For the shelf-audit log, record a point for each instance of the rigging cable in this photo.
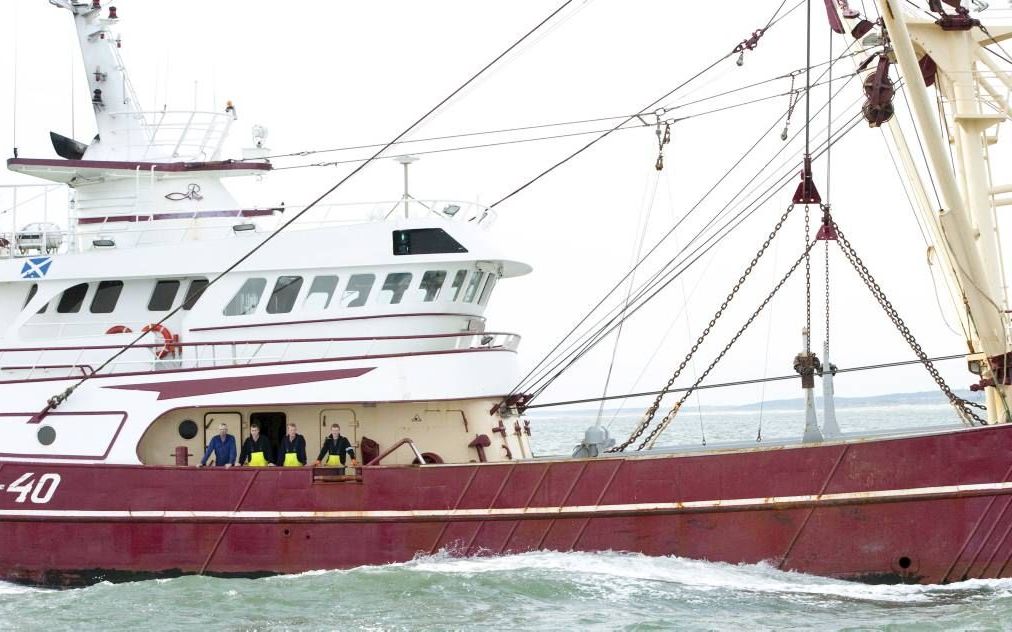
(778, 378)
(570, 351)
(56, 400)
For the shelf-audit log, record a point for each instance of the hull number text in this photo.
(37, 490)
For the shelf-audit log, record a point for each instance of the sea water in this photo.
(548, 590)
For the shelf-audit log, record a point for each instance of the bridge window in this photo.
(432, 284)
(32, 291)
(487, 290)
(357, 292)
(458, 283)
(106, 296)
(197, 287)
(163, 296)
(425, 241)
(320, 293)
(72, 299)
(247, 298)
(282, 298)
(396, 284)
(472, 287)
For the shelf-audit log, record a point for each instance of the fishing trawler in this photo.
(166, 308)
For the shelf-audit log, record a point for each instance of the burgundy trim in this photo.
(190, 388)
(34, 420)
(217, 165)
(259, 212)
(213, 343)
(334, 320)
(263, 364)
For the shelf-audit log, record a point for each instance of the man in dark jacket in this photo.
(256, 449)
(337, 449)
(292, 452)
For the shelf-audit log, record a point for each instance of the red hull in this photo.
(928, 509)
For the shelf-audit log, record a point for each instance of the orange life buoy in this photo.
(170, 341)
(118, 329)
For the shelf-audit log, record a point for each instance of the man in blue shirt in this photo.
(223, 447)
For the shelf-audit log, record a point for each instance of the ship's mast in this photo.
(967, 219)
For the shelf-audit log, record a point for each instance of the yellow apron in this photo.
(292, 460)
(256, 459)
(334, 460)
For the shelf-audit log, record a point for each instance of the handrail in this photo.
(391, 449)
(214, 343)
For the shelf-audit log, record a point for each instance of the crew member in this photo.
(256, 449)
(293, 448)
(337, 449)
(222, 445)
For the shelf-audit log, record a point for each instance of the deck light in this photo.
(451, 210)
(103, 243)
(242, 228)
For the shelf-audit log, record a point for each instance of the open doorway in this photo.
(272, 426)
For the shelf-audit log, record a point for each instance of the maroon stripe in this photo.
(217, 165)
(334, 320)
(190, 388)
(183, 215)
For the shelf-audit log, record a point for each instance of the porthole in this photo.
(46, 435)
(187, 429)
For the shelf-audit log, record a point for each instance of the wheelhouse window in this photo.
(195, 291)
(72, 299)
(32, 291)
(425, 241)
(487, 290)
(163, 296)
(396, 284)
(357, 292)
(282, 298)
(106, 297)
(472, 286)
(321, 291)
(432, 285)
(458, 284)
(247, 298)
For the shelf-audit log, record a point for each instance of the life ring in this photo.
(119, 329)
(170, 340)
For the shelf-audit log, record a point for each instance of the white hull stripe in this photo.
(735, 504)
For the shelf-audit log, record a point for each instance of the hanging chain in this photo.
(648, 416)
(662, 426)
(808, 283)
(961, 405)
(792, 101)
(826, 266)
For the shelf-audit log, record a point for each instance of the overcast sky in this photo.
(324, 74)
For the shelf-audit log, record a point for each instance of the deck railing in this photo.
(28, 363)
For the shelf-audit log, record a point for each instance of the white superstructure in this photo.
(377, 325)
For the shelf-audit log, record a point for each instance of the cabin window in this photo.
(472, 287)
(321, 291)
(458, 283)
(282, 298)
(72, 299)
(106, 296)
(396, 284)
(32, 291)
(487, 290)
(163, 296)
(247, 298)
(432, 284)
(425, 241)
(357, 292)
(197, 287)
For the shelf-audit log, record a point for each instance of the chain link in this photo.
(961, 405)
(661, 427)
(648, 416)
(827, 291)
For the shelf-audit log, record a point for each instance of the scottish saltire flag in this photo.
(36, 267)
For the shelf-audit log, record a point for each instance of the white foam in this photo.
(16, 589)
(697, 575)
